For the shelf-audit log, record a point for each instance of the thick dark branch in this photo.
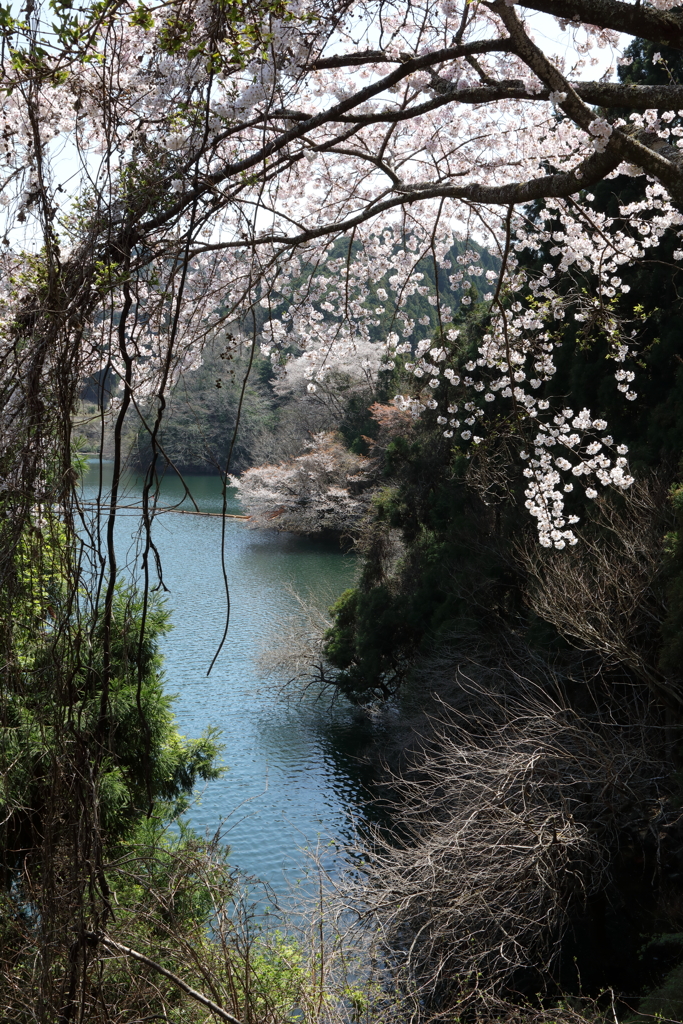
(559, 185)
(631, 97)
(387, 115)
(601, 94)
(350, 60)
(604, 94)
(665, 27)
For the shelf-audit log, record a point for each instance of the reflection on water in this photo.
(292, 777)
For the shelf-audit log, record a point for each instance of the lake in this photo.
(294, 778)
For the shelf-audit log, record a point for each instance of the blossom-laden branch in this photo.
(224, 158)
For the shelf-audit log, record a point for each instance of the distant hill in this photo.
(201, 412)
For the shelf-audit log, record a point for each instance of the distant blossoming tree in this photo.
(320, 491)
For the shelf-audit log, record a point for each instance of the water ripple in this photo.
(291, 778)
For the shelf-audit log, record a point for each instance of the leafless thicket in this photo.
(509, 816)
(293, 654)
(608, 595)
(157, 959)
(526, 777)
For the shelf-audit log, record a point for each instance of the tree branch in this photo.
(633, 97)
(601, 94)
(407, 67)
(665, 27)
(191, 992)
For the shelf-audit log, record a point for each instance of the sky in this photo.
(554, 40)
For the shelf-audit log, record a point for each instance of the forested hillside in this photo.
(277, 415)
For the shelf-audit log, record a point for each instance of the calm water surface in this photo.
(293, 777)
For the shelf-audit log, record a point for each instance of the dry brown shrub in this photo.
(506, 819)
(607, 595)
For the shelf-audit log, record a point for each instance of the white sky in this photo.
(550, 37)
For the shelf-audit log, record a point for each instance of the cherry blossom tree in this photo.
(207, 155)
(320, 491)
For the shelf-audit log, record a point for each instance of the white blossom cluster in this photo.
(567, 436)
(601, 130)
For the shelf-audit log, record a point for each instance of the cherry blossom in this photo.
(174, 176)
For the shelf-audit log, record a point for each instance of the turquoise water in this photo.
(293, 776)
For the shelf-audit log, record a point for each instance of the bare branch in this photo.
(187, 989)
